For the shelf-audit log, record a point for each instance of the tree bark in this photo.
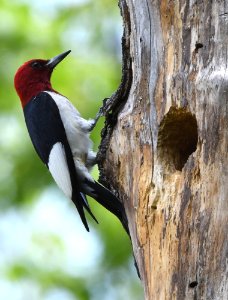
(164, 147)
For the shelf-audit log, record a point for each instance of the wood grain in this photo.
(167, 156)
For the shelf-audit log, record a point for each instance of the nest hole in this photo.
(177, 138)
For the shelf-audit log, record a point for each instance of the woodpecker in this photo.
(61, 139)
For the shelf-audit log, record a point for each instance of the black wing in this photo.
(44, 125)
(45, 128)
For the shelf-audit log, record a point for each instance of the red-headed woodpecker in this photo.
(61, 137)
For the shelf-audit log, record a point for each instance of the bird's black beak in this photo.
(56, 60)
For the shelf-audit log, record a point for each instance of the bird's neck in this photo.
(32, 90)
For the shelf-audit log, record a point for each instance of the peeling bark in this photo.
(165, 145)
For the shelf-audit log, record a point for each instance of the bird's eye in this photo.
(36, 65)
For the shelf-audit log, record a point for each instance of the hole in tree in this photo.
(177, 138)
(193, 284)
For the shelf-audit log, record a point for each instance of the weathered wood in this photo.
(167, 155)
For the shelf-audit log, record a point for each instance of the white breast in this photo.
(77, 131)
(75, 126)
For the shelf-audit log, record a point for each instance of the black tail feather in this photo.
(86, 206)
(108, 200)
(78, 201)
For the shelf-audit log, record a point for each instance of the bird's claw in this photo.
(101, 113)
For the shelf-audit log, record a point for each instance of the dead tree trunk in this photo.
(165, 145)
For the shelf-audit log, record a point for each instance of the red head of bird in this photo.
(34, 77)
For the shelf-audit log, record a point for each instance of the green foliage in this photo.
(42, 29)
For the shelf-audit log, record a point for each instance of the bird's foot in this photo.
(94, 121)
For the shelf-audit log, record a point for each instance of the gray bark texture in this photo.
(164, 147)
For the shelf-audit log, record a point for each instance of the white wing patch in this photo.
(59, 169)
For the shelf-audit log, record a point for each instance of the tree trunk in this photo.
(165, 144)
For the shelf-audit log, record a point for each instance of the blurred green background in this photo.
(45, 252)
